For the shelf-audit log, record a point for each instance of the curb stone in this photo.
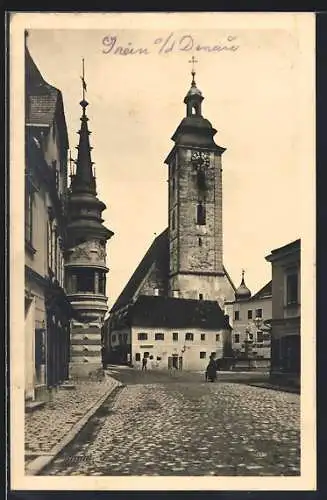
(39, 463)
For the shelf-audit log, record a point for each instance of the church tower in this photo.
(196, 269)
(85, 263)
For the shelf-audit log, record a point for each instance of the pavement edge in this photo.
(39, 463)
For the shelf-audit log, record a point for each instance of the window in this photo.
(201, 214)
(200, 242)
(102, 283)
(203, 355)
(159, 336)
(217, 337)
(250, 336)
(236, 315)
(201, 179)
(237, 338)
(137, 356)
(158, 358)
(203, 336)
(189, 336)
(259, 337)
(28, 213)
(113, 338)
(249, 314)
(258, 313)
(85, 278)
(142, 336)
(173, 184)
(173, 222)
(200, 296)
(175, 336)
(292, 289)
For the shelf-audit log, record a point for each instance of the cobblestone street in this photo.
(44, 428)
(161, 425)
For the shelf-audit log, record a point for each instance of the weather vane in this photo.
(83, 80)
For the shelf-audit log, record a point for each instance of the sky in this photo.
(255, 96)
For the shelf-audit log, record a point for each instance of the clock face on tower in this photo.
(200, 158)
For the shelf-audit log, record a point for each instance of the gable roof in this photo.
(169, 312)
(281, 252)
(44, 103)
(264, 292)
(159, 253)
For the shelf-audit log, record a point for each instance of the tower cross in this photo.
(193, 61)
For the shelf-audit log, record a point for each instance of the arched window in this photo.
(201, 214)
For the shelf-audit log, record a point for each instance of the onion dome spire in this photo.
(84, 178)
(242, 293)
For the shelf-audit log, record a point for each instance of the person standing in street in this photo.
(144, 363)
(211, 372)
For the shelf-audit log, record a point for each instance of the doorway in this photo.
(175, 362)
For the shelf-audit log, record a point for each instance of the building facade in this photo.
(250, 319)
(47, 309)
(85, 258)
(185, 261)
(286, 312)
(183, 340)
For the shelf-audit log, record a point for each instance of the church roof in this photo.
(159, 253)
(158, 311)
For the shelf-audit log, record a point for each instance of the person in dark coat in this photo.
(144, 363)
(211, 372)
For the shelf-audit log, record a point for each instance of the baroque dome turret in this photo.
(242, 293)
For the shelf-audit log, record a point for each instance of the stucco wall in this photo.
(167, 347)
